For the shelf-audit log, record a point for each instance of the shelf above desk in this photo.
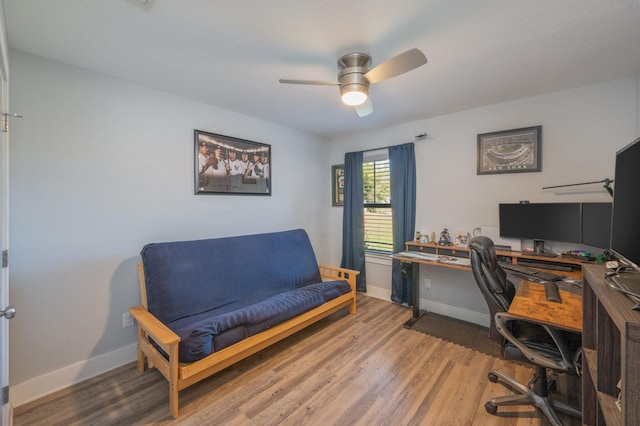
(433, 254)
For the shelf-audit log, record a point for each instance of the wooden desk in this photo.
(530, 302)
(415, 268)
(433, 251)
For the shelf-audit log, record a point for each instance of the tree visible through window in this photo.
(377, 206)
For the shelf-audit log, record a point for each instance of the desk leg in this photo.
(415, 279)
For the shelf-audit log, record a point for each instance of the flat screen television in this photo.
(625, 221)
(596, 224)
(542, 221)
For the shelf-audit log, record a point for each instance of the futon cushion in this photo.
(220, 275)
(212, 331)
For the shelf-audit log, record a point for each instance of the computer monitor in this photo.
(625, 221)
(542, 221)
(596, 224)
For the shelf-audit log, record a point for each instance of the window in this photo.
(378, 233)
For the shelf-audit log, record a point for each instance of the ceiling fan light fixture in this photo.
(354, 94)
(355, 76)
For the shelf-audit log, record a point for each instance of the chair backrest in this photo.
(492, 281)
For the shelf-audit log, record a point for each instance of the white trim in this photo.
(48, 383)
(379, 293)
(4, 52)
(451, 311)
(6, 414)
(455, 312)
(38, 387)
(379, 258)
(375, 155)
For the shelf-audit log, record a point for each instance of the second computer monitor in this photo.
(542, 221)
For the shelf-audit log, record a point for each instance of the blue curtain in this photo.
(353, 218)
(402, 165)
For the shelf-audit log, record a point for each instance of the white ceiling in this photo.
(231, 53)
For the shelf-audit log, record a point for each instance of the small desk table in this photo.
(530, 302)
(417, 258)
(456, 257)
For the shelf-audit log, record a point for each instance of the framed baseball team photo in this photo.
(337, 185)
(228, 165)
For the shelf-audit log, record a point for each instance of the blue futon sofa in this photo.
(207, 304)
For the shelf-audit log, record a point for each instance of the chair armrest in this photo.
(160, 333)
(537, 357)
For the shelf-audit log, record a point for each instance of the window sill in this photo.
(379, 258)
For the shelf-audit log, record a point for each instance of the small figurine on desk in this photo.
(445, 238)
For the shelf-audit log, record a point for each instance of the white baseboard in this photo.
(436, 307)
(379, 292)
(38, 387)
(455, 312)
(43, 385)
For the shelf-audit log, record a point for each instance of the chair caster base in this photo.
(491, 408)
(527, 396)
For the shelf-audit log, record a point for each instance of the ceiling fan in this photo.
(355, 76)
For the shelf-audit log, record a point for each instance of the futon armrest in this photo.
(160, 333)
(335, 273)
(337, 269)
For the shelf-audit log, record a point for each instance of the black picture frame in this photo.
(337, 185)
(228, 165)
(510, 151)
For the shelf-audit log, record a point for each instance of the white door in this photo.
(7, 312)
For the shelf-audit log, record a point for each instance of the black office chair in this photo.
(547, 348)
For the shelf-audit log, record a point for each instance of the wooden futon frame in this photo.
(183, 375)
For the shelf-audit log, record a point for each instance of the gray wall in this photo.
(100, 167)
(581, 131)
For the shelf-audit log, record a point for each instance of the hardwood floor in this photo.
(345, 370)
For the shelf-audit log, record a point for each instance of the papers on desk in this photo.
(454, 260)
(432, 257)
(417, 255)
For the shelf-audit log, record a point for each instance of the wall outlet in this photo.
(427, 283)
(127, 320)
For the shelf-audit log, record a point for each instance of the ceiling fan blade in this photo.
(317, 83)
(404, 62)
(365, 109)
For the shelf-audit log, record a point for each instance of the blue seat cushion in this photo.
(187, 278)
(211, 331)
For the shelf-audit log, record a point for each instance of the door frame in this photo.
(6, 408)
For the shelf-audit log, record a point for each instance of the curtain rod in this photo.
(377, 149)
(418, 137)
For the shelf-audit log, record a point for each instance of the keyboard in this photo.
(553, 266)
(530, 272)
